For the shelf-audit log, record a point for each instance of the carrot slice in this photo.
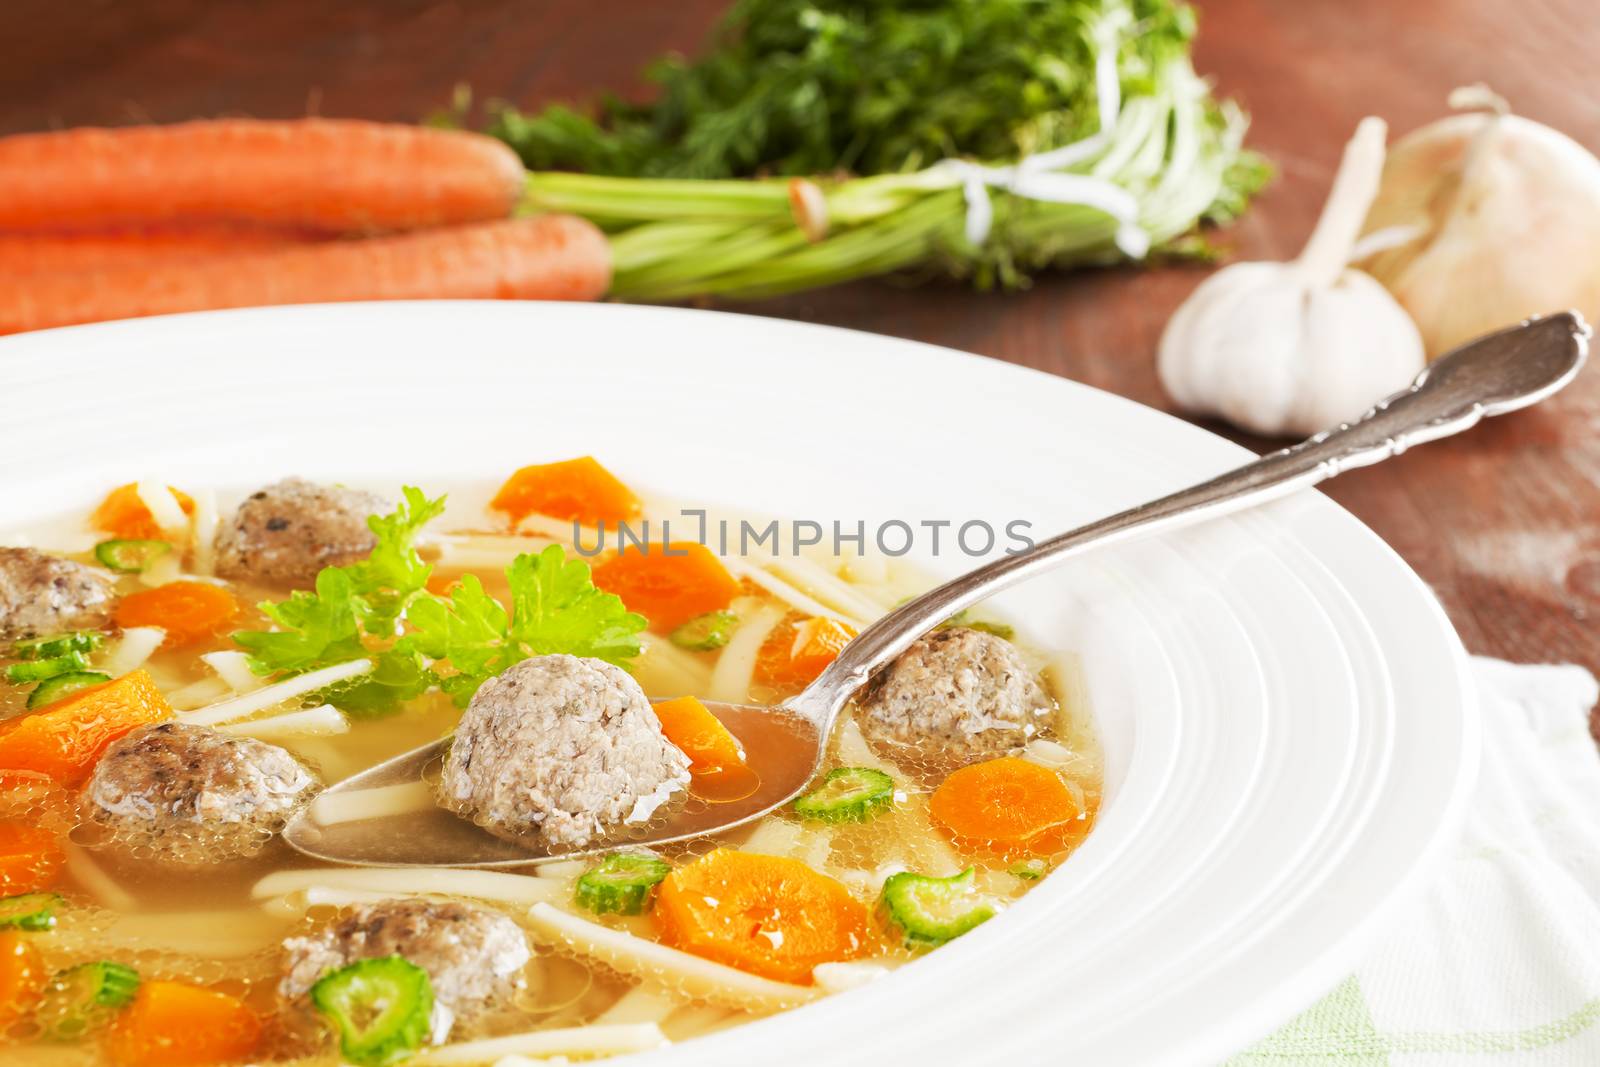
(64, 740)
(123, 514)
(31, 858)
(768, 915)
(173, 1024)
(188, 611)
(668, 584)
(1006, 806)
(577, 489)
(799, 649)
(717, 767)
(22, 976)
(690, 725)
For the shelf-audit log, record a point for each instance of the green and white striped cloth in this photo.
(1499, 964)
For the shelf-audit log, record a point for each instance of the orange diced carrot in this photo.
(31, 858)
(1007, 807)
(22, 976)
(767, 915)
(188, 611)
(577, 489)
(668, 584)
(717, 768)
(123, 514)
(690, 725)
(173, 1024)
(66, 739)
(799, 649)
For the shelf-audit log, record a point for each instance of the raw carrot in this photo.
(548, 257)
(799, 649)
(328, 174)
(23, 254)
(173, 1024)
(669, 584)
(1007, 807)
(577, 489)
(768, 915)
(22, 976)
(64, 740)
(188, 611)
(123, 514)
(717, 767)
(31, 858)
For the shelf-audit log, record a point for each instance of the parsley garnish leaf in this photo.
(555, 607)
(379, 608)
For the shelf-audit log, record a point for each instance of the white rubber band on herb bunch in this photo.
(1038, 177)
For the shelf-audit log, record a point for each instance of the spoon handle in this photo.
(1490, 376)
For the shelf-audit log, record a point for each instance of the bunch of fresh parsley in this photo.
(813, 87)
(807, 146)
(380, 609)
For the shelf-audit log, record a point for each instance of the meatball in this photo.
(192, 796)
(41, 594)
(955, 696)
(560, 749)
(474, 956)
(286, 533)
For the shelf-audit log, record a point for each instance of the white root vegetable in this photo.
(136, 646)
(205, 522)
(164, 508)
(324, 720)
(589, 1040)
(198, 694)
(1505, 215)
(1048, 753)
(641, 1004)
(562, 870)
(485, 551)
(698, 1020)
(380, 802)
(1294, 348)
(780, 589)
(838, 977)
(638, 958)
(730, 678)
(272, 695)
(234, 669)
(295, 905)
(663, 669)
(831, 591)
(410, 881)
(88, 874)
(225, 934)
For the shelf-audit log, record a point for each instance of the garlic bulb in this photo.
(1505, 215)
(1297, 347)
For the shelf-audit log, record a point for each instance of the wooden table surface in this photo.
(1505, 523)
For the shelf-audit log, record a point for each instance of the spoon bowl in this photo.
(786, 747)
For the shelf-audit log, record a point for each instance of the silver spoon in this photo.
(1493, 375)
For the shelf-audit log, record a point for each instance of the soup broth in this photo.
(595, 982)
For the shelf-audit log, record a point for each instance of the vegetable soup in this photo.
(181, 679)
